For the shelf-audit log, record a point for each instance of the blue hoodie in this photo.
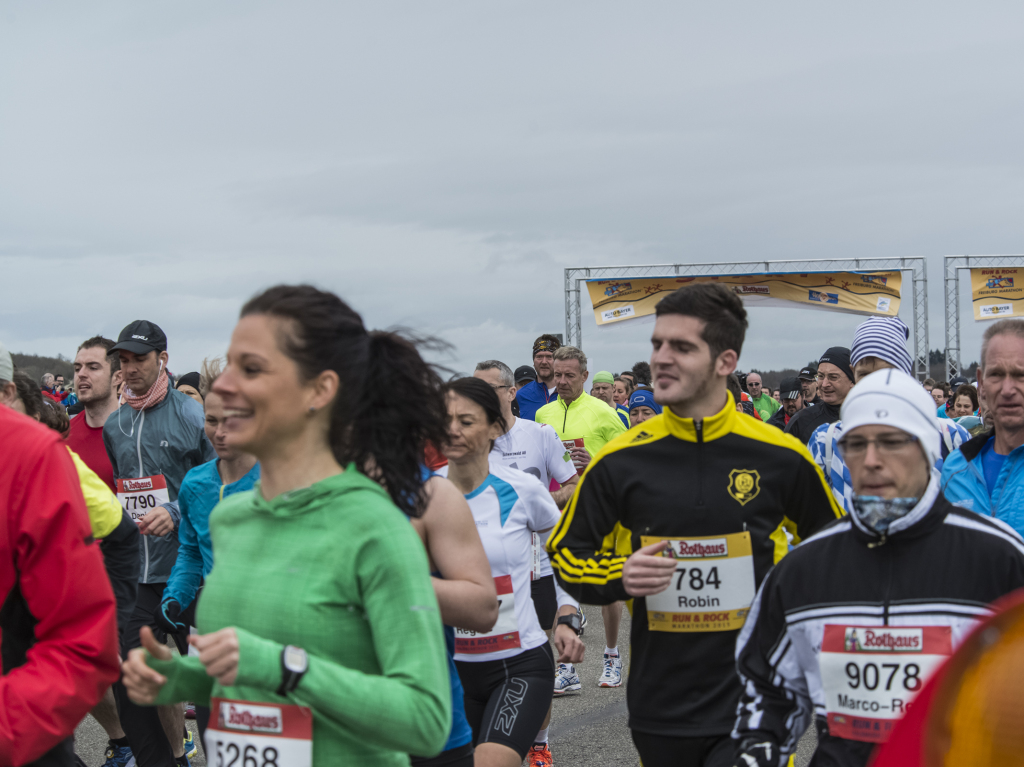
(200, 492)
(532, 398)
(963, 482)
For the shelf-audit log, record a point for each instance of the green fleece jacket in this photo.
(337, 570)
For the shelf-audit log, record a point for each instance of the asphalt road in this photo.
(588, 728)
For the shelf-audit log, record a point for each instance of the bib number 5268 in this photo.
(230, 754)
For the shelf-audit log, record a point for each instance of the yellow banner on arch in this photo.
(997, 293)
(870, 293)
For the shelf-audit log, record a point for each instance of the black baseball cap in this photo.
(141, 337)
(809, 373)
(957, 381)
(790, 388)
(525, 373)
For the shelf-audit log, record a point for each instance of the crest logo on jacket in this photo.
(744, 485)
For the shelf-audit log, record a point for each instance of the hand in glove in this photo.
(168, 617)
(755, 753)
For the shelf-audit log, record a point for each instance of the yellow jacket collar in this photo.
(721, 423)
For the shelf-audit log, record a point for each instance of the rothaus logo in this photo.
(249, 718)
(146, 483)
(883, 640)
(712, 547)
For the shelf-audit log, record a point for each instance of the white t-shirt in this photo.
(536, 449)
(508, 507)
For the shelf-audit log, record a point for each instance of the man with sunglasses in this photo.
(878, 343)
(850, 625)
(835, 379)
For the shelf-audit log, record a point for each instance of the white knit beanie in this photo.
(892, 398)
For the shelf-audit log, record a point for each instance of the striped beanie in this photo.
(885, 338)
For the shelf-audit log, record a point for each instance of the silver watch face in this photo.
(295, 659)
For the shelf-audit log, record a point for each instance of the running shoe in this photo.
(190, 710)
(566, 680)
(119, 756)
(191, 747)
(539, 756)
(611, 676)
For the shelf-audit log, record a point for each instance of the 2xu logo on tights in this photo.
(246, 717)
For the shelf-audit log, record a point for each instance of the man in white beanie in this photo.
(848, 627)
(879, 343)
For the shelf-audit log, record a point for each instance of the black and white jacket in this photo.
(822, 635)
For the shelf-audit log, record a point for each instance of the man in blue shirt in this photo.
(986, 474)
(533, 396)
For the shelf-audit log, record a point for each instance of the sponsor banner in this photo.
(867, 293)
(870, 675)
(712, 587)
(997, 293)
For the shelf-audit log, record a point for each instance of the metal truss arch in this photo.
(917, 267)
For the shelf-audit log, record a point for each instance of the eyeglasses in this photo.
(887, 444)
(832, 377)
(498, 388)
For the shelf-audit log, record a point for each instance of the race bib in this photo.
(140, 496)
(504, 635)
(870, 674)
(712, 587)
(243, 734)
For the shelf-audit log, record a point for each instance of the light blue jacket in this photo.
(200, 492)
(963, 483)
(167, 438)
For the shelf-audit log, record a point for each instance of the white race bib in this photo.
(243, 734)
(140, 496)
(712, 587)
(504, 635)
(870, 674)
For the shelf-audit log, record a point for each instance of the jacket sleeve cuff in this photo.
(174, 511)
(259, 661)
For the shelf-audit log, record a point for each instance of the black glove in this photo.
(757, 753)
(168, 617)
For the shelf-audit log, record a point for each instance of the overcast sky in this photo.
(438, 164)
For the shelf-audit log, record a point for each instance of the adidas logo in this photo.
(641, 437)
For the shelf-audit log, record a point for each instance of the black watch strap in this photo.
(294, 663)
(572, 621)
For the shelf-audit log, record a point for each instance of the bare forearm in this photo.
(563, 495)
(466, 605)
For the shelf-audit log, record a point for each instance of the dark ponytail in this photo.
(389, 404)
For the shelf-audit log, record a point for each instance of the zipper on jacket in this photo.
(565, 416)
(144, 575)
(888, 585)
(699, 427)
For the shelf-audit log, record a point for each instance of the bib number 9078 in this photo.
(874, 676)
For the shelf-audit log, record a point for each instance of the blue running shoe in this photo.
(191, 747)
(119, 756)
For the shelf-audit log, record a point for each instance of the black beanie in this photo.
(189, 379)
(840, 357)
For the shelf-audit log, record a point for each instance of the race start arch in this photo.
(575, 277)
(994, 295)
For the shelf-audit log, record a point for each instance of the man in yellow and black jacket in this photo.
(685, 514)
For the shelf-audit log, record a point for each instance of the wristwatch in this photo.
(294, 663)
(572, 621)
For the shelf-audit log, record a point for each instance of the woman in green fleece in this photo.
(320, 638)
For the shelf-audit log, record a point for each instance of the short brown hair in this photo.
(572, 353)
(725, 319)
(968, 391)
(1001, 328)
(106, 344)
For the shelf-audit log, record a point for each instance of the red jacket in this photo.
(58, 626)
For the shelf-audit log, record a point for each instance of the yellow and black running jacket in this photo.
(724, 478)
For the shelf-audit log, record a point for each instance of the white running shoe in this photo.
(611, 676)
(566, 679)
